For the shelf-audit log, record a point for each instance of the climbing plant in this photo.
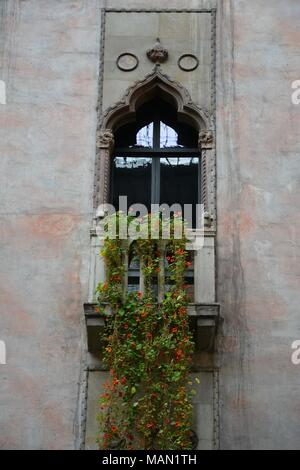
(148, 345)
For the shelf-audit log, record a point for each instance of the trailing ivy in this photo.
(148, 348)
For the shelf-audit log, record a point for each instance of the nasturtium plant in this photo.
(148, 347)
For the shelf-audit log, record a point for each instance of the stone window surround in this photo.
(124, 111)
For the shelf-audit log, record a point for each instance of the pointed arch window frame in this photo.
(156, 84)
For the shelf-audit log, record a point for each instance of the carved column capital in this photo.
(208, 220)
(206, 139)
(105, 139)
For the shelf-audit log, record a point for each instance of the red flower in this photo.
(174, 329)
(140, 295)
(179, 354)
(115, 381)
(129, 335)
(126, 326)
(114, 429)
(177, 424)
(123, 380)
(157, 270)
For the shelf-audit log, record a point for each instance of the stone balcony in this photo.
(204, 320)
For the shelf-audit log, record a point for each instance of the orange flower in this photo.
(114, 429)
(149, 425)
(182, 311)
(174, 329)
(177, 424)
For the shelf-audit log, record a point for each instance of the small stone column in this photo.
(105, 143)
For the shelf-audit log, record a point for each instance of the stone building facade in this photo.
(71, 70)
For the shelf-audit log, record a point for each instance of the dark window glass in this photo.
(132, 178)
(179, 182)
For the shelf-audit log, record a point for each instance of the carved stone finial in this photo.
(105, 138)
(206, 139)
(157, 53)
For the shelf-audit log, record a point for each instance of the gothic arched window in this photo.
(156, 160)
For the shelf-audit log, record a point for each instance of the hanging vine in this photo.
(148, 348)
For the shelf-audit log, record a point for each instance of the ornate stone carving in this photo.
(206, 139)
(208, 220)
(105, 139)
(199, 117)
(158, 53)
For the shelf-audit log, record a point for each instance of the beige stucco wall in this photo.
(49, 54)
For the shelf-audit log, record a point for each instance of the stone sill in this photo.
(204, 319)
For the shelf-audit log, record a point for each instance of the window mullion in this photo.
(155, 187)
(155, 180)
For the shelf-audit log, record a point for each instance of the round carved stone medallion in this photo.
(188, 62)
(127, 62)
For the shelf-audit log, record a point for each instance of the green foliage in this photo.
(148, 348)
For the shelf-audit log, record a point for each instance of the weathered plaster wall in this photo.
(49, 54)
(258, 223)
(49, 60)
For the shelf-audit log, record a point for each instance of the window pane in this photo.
(168, 136)
(179, 182)
(132, 178)
(144, 137)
